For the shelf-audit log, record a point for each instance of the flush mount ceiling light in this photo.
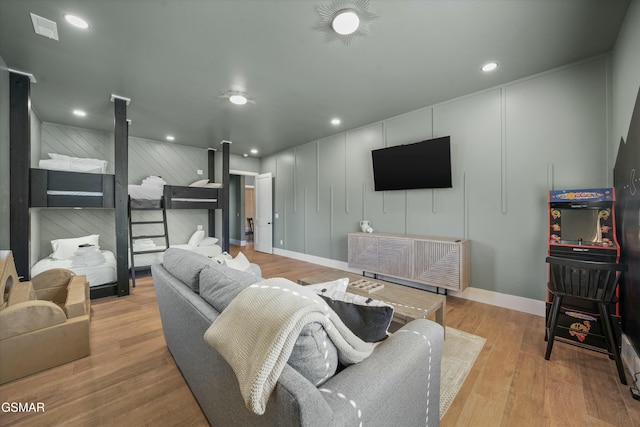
(170, 138)
(76, 21)
(490, 66)
(79, 113)
(236, 97)
(254, 151)
(345, 19)
(335, 122)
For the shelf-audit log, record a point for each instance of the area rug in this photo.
(458, 356)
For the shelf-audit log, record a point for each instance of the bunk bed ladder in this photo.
(132, 237)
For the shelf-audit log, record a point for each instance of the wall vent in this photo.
(44, 27)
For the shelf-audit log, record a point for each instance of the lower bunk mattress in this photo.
(96, 275)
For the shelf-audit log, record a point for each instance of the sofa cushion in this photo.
(186, 266)
(314, 355)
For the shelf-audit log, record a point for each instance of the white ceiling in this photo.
(174, 57)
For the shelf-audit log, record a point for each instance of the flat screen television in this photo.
(425, 164)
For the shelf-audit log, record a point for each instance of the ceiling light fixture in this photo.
(76, 21)
(236, 97)
(254, 151)
(171, 138)
(490, 66)
(79, 113)
(335, 122)
(345, 22)
(345, 19)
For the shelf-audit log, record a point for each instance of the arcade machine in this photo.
(582, 226)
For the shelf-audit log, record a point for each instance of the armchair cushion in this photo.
(29, 316)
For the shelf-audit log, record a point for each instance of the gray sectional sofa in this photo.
(398, 385)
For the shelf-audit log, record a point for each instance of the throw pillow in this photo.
(367, 318)
(240, 262)
(339, 285)
(196, 238)
(65, 248)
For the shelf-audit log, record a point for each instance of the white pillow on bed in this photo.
(208, 241)
(200, 183)
(65, 248)
(196, 238)
(80, 164)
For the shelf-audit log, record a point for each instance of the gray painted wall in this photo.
(510, 145)
(4, 154)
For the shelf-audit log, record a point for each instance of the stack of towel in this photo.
(144, 245)
(151, 188)
(88, 256)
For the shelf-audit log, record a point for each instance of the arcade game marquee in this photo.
(582, 226)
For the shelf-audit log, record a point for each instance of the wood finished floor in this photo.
(130, 379)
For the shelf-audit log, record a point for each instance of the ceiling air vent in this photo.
(44, 27)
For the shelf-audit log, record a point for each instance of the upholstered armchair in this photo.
(43, 323)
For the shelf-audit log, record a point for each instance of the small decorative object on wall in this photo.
(345, 19)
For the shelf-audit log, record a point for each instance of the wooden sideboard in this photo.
(434, 261)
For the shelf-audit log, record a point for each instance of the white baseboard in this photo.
(512, 302)
(237, 242)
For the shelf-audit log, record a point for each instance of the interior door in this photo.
(263, 223)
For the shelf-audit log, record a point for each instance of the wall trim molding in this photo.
(512, 302)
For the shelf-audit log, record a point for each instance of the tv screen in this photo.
(580, 225)
(425, 164)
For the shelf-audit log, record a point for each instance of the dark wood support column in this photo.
(121, 135)
(20, 162)
(211, 167)
(226, 181)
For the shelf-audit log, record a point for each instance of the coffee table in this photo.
(409, 303)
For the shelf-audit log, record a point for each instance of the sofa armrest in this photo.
(399, 381)
(76, 302)
(29, 316)
(51, 285)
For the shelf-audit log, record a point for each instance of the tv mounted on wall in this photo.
(425, 164)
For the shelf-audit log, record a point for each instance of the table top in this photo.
(409, 303)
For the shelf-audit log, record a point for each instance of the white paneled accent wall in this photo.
(509, 146)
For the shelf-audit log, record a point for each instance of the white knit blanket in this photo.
(257, 331)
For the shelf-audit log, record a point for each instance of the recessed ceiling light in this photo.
(345, 22)
(171, 138)
(238, 99)
(489, 66)
(335, 121)
(79, 113)
(254, 151)
(76, 21)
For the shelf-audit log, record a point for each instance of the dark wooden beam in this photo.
(226, 181)
(211, 166)
(121, 135)
(20, 162)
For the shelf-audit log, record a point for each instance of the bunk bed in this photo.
(156, 195)
(87, 185)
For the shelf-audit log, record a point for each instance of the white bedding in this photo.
(98, 275)
(73, 164)
(143, 260)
